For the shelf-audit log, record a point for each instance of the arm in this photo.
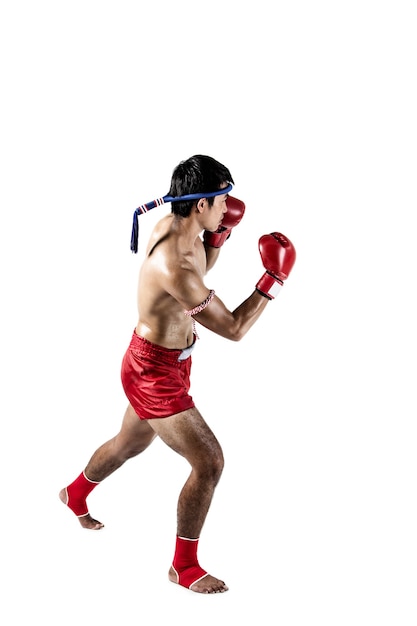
(235, 324)
(212, 254)
(278, 256)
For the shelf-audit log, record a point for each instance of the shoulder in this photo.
(159, 233)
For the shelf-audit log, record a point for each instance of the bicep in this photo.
(188, 288)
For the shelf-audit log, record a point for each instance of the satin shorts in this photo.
(156, 380)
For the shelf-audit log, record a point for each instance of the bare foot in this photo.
(86, 521)
(207, 584)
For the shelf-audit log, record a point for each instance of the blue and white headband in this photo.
(144, 208)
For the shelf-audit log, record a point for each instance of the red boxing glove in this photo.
(232, 217)
(278, 257)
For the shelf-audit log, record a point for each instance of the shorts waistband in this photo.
(168, 355)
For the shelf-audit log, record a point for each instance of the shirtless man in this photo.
(172, 294)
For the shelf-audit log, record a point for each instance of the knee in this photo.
(212, 467)
(218, 468)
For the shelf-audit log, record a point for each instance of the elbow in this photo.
(236, 334)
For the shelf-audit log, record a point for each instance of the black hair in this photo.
(198, 174)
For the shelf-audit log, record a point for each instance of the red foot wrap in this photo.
(77, 493)
(185, 562)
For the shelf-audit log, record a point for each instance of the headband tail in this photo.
(144, 208)
(135, 233)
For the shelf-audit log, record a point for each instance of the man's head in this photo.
(198, 174)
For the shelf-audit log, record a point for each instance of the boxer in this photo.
(172, 298)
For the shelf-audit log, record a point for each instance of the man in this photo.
(172, 295)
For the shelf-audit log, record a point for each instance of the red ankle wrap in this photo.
(185, 562)
(77, 493)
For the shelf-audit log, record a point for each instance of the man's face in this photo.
(218, 209)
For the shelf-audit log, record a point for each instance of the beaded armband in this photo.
(202, 306)
(198, 309)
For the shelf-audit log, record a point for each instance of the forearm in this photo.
(212, 254)
(247, 313)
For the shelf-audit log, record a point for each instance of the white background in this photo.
(312, 106)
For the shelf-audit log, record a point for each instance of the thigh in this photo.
(188, 434)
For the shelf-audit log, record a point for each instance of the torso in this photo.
(170, 251)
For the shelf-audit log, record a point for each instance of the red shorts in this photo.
(156, 380)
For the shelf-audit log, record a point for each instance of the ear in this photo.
(201, 205)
